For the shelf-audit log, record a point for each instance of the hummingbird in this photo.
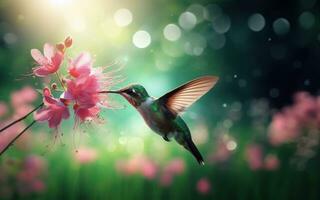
(162, 114)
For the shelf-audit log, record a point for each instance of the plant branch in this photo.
(15, 138)
(20, 119)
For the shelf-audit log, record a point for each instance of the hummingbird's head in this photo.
(135, 94)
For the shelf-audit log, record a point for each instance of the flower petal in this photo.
(48, 50)
(38, 57)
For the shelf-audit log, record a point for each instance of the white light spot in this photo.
(187, 20)
(256, 22)
(172, 32)
(306, 20)
(224, 105)
(141, 39)
(235, 76)
(231, 145)
(10, 38)
(281, 26)
(122, 17)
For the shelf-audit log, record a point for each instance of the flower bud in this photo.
(60, 47)
(53, 86)
(68, 42)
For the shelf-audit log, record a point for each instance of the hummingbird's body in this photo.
(162, 114)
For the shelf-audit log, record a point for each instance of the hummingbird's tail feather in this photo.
(195, 152)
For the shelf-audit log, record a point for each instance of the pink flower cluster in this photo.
(27, 176)
(289, 124)
(138, 165)
(81, 86)
(257, 160)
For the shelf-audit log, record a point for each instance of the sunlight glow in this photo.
(60, 2)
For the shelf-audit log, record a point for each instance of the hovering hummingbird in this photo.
(162, 114)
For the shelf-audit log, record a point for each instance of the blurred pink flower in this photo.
(33, 170)
(48, 63)
(223, 149)
(203, 186)
(53, 112)
(38, 186)
(254, 156)
(271, 162)
(304, 108)
(175, 166)
(138, 165)
(24, 96)
(149, 169)
(3, 109)
(283, 128)
(85, 155)
(166, 179)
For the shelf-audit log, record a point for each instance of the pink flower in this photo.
(48, 63)
(138, 165)
(83, 89)
(203, 186)
(85, 155)
(166, 179)
(81, 66)
(176, 166)
(3, 109)
(304, 108)
(38, 186)
(271, 162)
(283, 128)
(172, 169)
(254, 156)
(53, 112)
(149, 169)
(84, 92)
(29, 178)
(24, 96)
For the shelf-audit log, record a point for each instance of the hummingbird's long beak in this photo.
(112, 91)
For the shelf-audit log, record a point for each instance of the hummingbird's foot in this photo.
(166, 138)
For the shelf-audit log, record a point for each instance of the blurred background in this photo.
(258, 129)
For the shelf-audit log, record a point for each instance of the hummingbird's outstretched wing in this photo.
(185, 95)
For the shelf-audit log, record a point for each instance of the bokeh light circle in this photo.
(306, 20)
(221, 24)
(199, 11)
(172, 32)
(187, 20)
(256, 22)
(141, 39)
(281, 26)
(122, 17)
